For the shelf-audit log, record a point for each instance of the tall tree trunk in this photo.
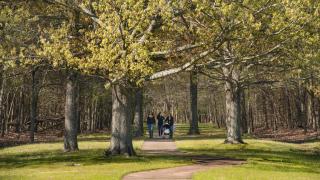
(265, 109)
(34, 104)
(310, 110)
(71, 122)
(194, 129)
(123, 107)
(250, 120)
(78, 109)
(20, 111)
(72, 89)
(274, 115)
(288, 106)
(233, 113)
(317, 109)
(301, 108)
(3, 84)
(243, 111)
(138, 116)
(216, 113)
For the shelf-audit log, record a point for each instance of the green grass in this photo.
(265, 159)
(47, 161)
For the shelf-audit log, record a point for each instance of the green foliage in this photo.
(246, 34)
(18, 34)
(118, 46)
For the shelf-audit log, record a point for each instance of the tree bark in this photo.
(288, 106)
(265, 109)
(233, 112)
(310, 110)
(20, 111)
(243, 111)
(34, 105)
(78, 109)
(317, 109)
(301, 108)
(138, 116)
(123, 107)
(71, 122)
(194, 128)
(3, 84)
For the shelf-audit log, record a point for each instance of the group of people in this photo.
(163, 124)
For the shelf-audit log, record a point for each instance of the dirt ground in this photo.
(285, 135)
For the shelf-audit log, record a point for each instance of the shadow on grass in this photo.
(269, 158)
(310, 140)
(97, 139)
(83, 157)
(274, 160)
(85, 137)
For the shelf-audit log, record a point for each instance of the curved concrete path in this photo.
(164, 146)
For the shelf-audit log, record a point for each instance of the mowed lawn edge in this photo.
(266, 159)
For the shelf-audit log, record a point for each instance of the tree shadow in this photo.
(273, 160)
(83, 157)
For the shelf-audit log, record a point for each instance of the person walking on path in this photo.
(150, 122)
(170, 121)
(160, 119)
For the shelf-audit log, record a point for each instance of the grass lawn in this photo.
(265, 159)
(47, 161)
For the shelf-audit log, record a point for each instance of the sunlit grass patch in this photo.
(265, 159)
(48, 161)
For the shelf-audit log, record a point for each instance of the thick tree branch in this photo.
(163, 54)
(187, 65)
(150, 28)
(79, 8)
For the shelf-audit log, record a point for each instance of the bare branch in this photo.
(181, 68)
(151, 27)
(163, 54)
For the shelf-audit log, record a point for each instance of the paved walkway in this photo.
(165, 146)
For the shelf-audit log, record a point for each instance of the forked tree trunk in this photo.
(138, 116)
(122, 116)
(194, 129)
(71, 123)
(233, 107)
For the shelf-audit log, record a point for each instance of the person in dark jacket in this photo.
(160, 119)
(170, 121)
(150, 122)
